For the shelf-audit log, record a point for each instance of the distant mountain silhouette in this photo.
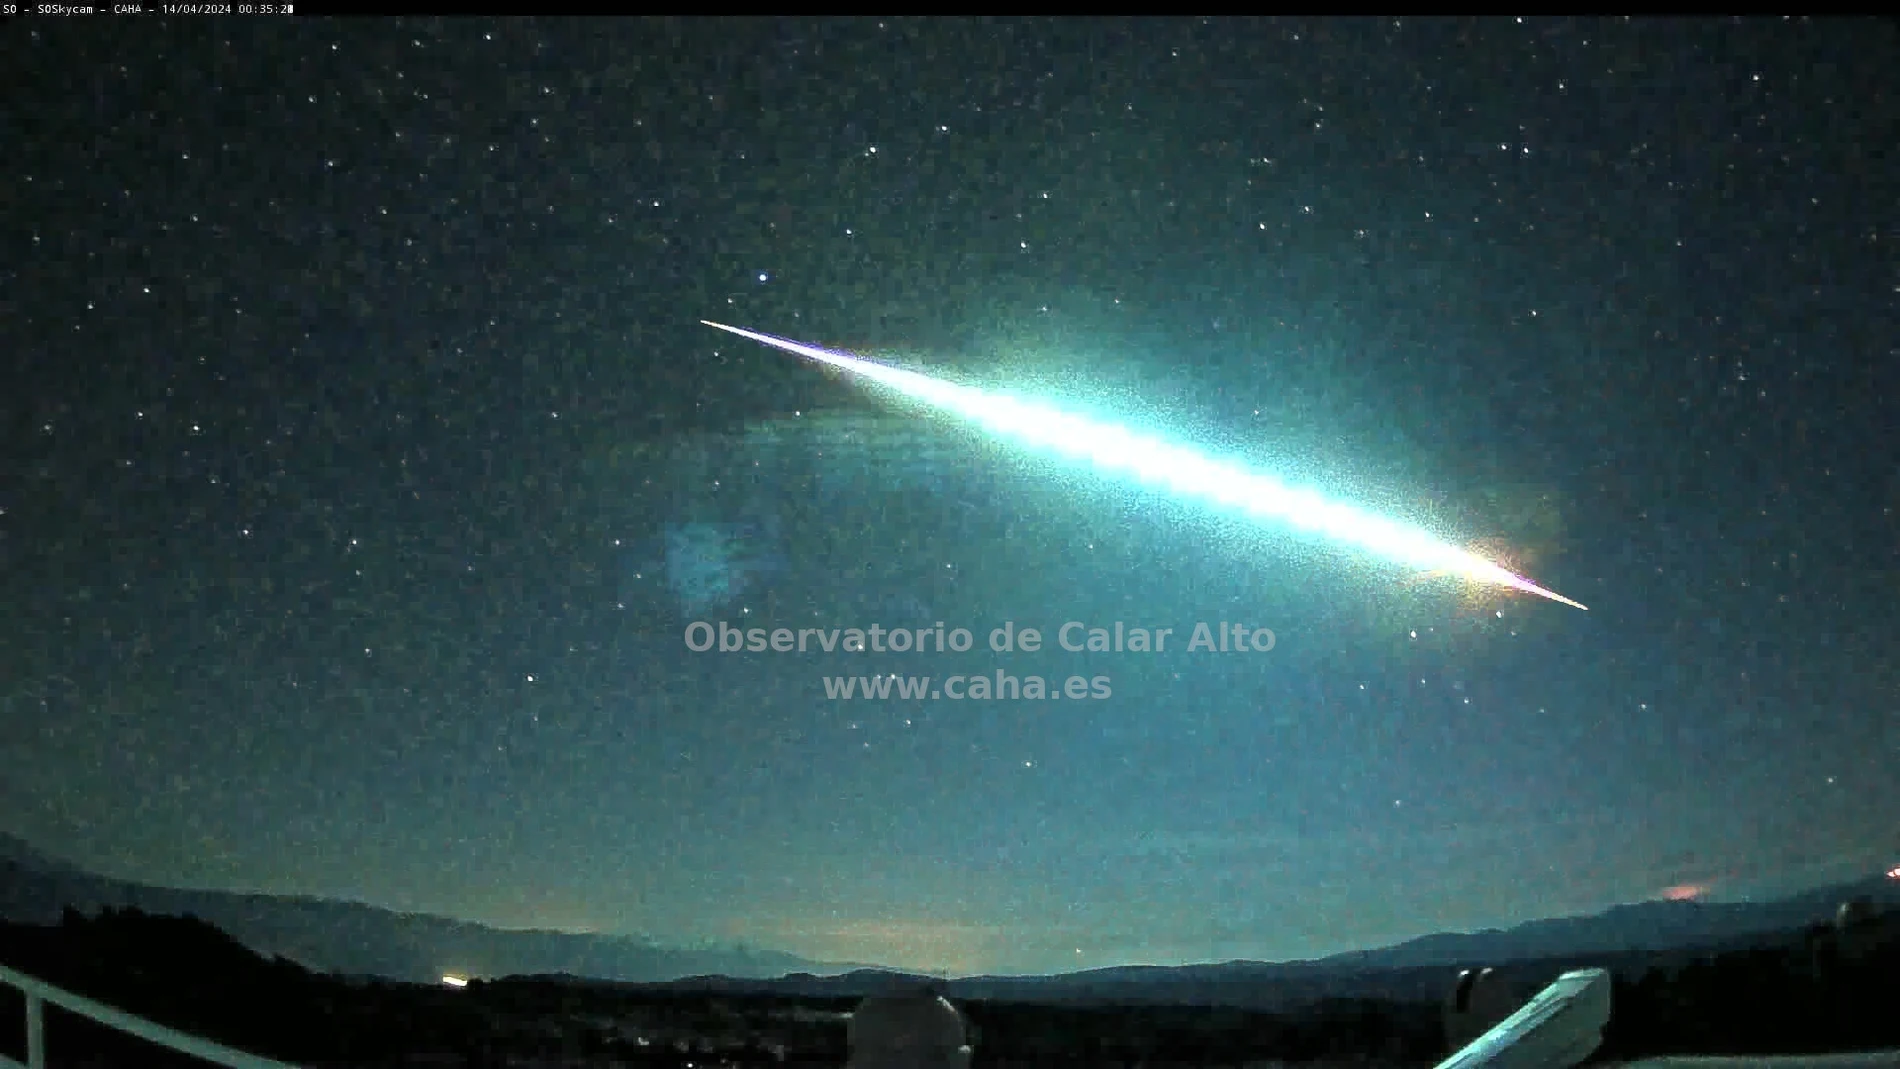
(1644, 927)
(356, 939)
(1629, 940)
(360, 940)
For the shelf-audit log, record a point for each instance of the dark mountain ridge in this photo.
(356, 939)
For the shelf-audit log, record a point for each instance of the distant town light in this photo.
(454, 981)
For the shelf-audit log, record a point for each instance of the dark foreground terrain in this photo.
(1813, 991)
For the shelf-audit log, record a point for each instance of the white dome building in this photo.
(1479, 1000)
(915, 1031)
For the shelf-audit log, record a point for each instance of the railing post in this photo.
(35, 1032)
(39, 993)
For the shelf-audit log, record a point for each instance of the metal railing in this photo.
(39, 994)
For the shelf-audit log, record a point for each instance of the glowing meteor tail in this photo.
(1179, 470)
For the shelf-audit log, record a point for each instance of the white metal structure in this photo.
(1564, 1024)
(39, 994)
(1558, 1028)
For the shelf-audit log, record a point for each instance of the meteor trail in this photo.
(1176, 469)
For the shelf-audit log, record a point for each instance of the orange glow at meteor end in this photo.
(1518, 582)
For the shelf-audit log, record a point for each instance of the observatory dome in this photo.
(909, 1031)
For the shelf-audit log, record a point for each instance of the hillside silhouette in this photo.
(1827, 987)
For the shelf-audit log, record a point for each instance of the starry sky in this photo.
(365, 462)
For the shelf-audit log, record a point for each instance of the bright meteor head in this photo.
(1175, 469)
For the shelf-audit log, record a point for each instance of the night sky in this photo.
(365, 462)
